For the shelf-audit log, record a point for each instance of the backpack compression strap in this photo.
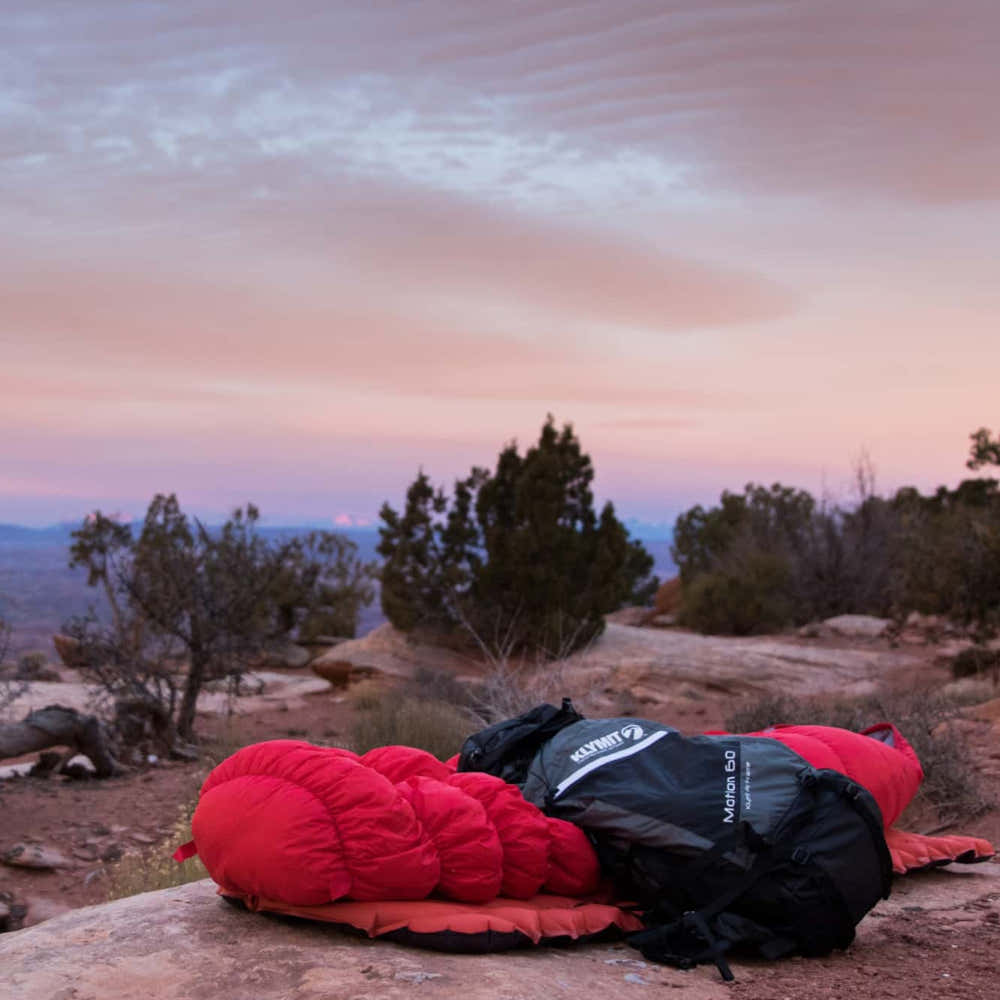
(185, 851)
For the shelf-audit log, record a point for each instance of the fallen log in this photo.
(54, 726)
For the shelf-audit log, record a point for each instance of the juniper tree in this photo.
(518, 557)
(211, 599)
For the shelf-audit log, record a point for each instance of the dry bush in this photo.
(951, 784)
(439, 685)
(402, 716)
(10, 689)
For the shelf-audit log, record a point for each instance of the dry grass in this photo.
(394, 717)
(154, 868)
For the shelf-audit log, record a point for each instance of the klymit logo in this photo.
(630, 732)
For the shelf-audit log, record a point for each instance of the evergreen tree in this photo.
(518, 557)
(212, 599)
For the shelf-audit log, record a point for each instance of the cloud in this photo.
(374, 287)
(329, 236)
(520, 101)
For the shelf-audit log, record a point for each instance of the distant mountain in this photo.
(16, 534)
(38, 590)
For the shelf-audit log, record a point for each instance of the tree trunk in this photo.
(189, 703)
(59, 726)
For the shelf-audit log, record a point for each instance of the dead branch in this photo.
(56, 725)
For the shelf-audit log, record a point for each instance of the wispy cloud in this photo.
(305, 230)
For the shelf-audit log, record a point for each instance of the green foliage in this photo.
(759, 561)
(773, 557)
(210, 599)
(948, 553)
(983, 450)
(740, 600)
(517, 557)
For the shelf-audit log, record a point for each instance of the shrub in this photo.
(31, 665)
(396, 716)
(772, 556)
(739, 600)
(212, 599)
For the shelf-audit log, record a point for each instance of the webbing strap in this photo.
(185, 851)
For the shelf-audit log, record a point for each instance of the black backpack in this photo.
(725, 843)
(507, 748)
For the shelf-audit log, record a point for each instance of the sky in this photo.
(291, 253)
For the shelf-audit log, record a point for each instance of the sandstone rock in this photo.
(652, 672)
(388, 651)
(337, 672)
(813, 630)
(69, 650)
(629, 616)
(667, 600)
(186, 944)
(681, 668)
(324, 640)
(41, 908)
(283, 656)
(947, 651)
(858, 626)
(663, 621)
(35, 856)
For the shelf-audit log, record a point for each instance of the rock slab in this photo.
(186, 944)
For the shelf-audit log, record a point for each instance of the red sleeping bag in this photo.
(311, 831)
(306, 825)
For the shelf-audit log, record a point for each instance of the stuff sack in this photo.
(507, 748)
(726, 843)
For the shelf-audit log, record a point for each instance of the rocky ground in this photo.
(935, 937)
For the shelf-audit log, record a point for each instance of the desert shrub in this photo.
(759, 561)
(752, 596)
(430, 684)
(210, 598)
(770, 557)
(949, 553)
(31, 665)
(395, 716)
(951, 785)
(518, 558)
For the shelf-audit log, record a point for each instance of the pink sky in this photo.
(290, 252)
